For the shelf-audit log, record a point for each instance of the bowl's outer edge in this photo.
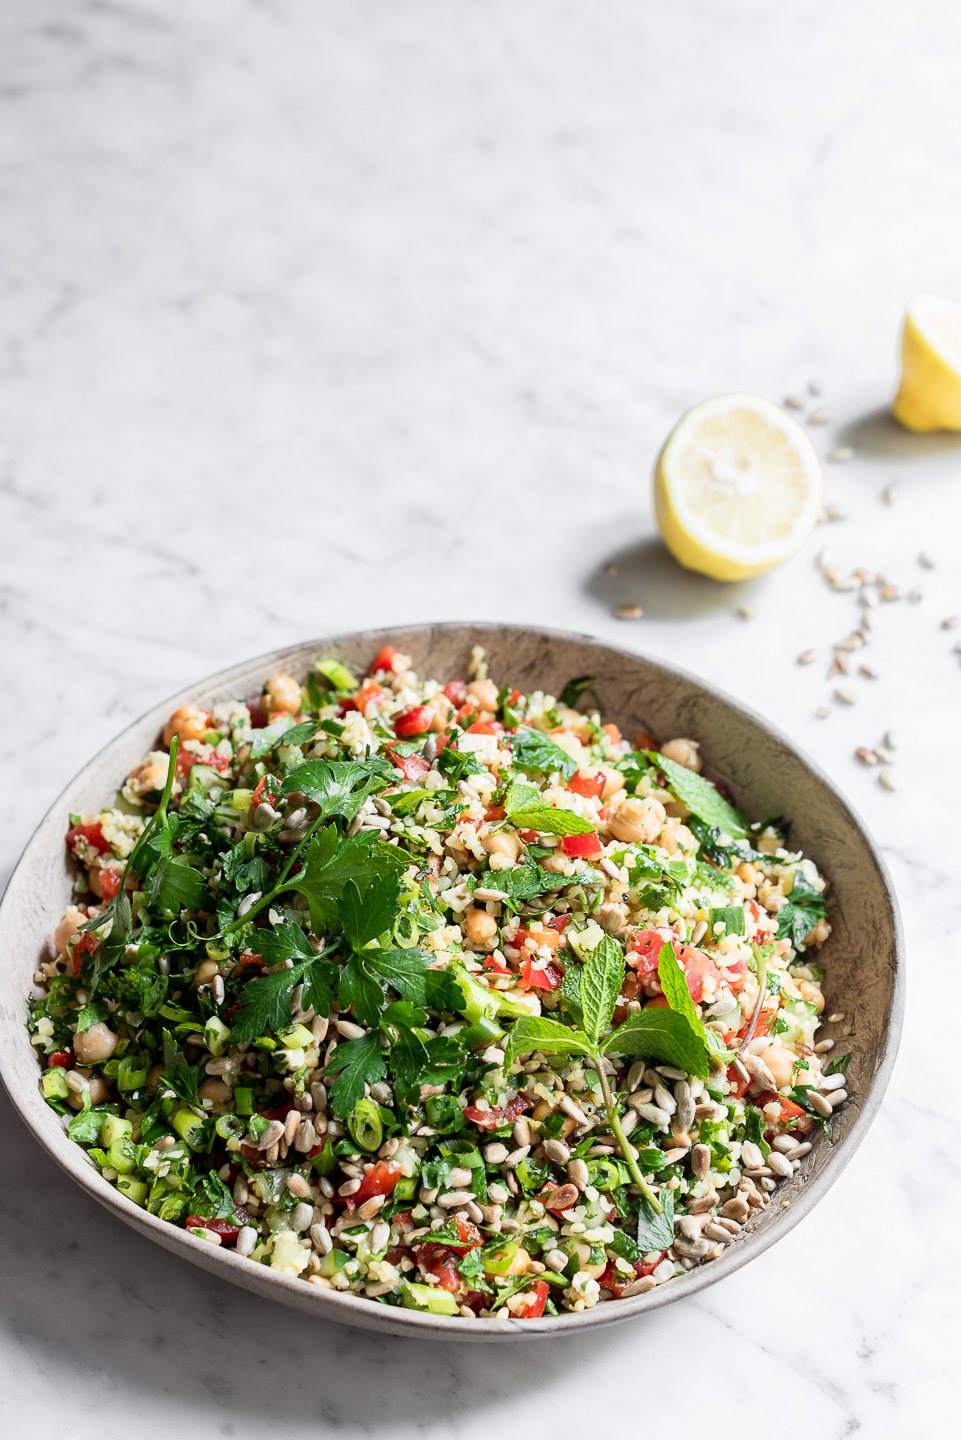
(740, 751)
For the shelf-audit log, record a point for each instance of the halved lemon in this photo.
(737, 487)
(929, 396)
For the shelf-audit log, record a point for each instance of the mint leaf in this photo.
(674, 984)
(796, 921)
(570, 991)
(264, 740)
(656, 1232)
(521, 796)
(548, 821)
(366, 914)
(601, 978)
(700, 798)
(538, 1033)
(731, 917)
(526, 881)
(664, 1035)
(358, 1063)
(839, 1064)
(531, 750)
(181, 1077)
(574, 689)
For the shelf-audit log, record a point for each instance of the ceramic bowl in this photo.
(764, 773)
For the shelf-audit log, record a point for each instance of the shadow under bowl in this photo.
(763, 772)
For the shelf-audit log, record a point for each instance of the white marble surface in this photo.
(320, 314)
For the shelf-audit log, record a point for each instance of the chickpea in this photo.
(95, 1045)
(144, 779)
(574, 720)
(98, 1088)
(187, 723)
(506, 844)
(216, 1090)
(676, 839)
(485, 693)
(282, 695)
(683, 752)
(541, 1110)
(613, 781)
(584, 1256)
(780, 1062)
(818, 935)
(441, 711)
(479, 927)
(747, 873)
(638, 821)
(812, 994)
(204, 973)
(68, 927)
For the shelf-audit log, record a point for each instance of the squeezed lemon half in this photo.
(737, 487)
(929, 395)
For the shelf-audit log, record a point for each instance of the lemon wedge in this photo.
(929, 396)
(737, 487)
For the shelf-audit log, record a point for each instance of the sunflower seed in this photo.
(866, 757)
(823, 713)
(628, 612)
(950, 623)
(819, 417)
(887, 780)
(889, 494)
(925, 561)
(846, 697)
(868, 672)
(746, 612)
(841, 454)
(816, 386)
(795, 402)
(883, 754)
(819, 1104)
(806, 656)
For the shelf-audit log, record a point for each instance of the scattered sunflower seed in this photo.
(925, 561)
(890, 592)
(824, 559)
(889, 494)
(806, 656)
(853, 642)
(816, 386)
(887, 780)
(836, 1018)
(610, 569)
(915, 595)
(867, 620)
(834, 512)
(846, 697)
(795, 402)
(950, 623)
(746, 612)
(883, 754)
(819, 417)
(840, 665)
(629, 612)
(867, 672)
(841, 454)
(866, 757)
(823, 713)
(868, 596)
(890, 740)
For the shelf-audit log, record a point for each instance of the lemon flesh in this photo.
(929, 395)
(737, 487)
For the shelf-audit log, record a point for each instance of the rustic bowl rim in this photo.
(357, 1310)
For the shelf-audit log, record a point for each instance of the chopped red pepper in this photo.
(541, 977)
(87, 941)
(380, 1179)
(551, 937)
(586, 846)
(258, 720)
(737, 1081)
(414, 722)
(790, 1110)
(483, 727)
(495, 966)
(499, 1115)
(456, 692)
(494, 812)
(438, 1260)
(109, 883)
(587, 785)
(613, 734)
(266, 792)
(383, 659)
(368, 694)
(226, 1229)
(62, 1058)
(530, 1305)
(93, 834)
(617, 1282)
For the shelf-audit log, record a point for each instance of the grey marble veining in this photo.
(318, 316)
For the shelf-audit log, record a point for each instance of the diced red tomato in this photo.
(617, 1282)
(495, 966)
(559, 923)
(469, 708)
(368, 694)
(226, 1229)
(499, 1115)
(587, 847)
(494, 812)
(541, 977)
(736, 972)
(738, 1082)
(438, 1260)
(790, 1110)
(266, 791)
(469, 1237)
(62, 1058)
(528, 836)
(659, 1002)
(380, 1179)
(109, 883)
(87, 942)
(258, 720)
(697, 967)
(475, 1300)
(629, 991)
(613, 734)
(247, 957)
(414, 722)
(587, 785)
(382, 660)
(456, 692)
(483, 727)
(530, 1305)
(93, 834)
(412, 767)
(647, 945)
(281, 1112)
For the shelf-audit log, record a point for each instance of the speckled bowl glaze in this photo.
(763, 772)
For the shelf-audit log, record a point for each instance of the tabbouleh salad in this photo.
(442, 994)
